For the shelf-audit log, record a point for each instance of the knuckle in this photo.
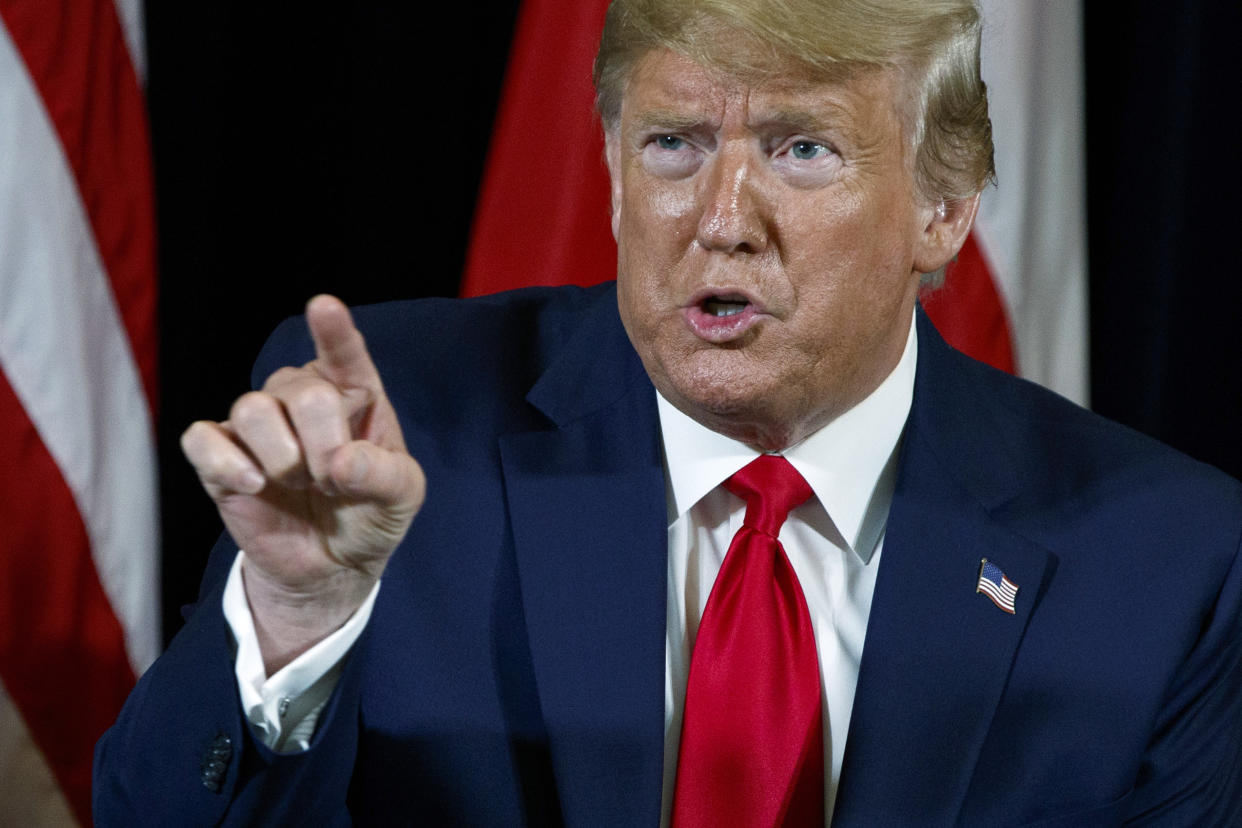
(282, 377)
(199, 443)
(314, 399)
(251, 408)
(194, 435)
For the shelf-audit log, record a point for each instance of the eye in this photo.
(807, 150)
(805, 162)
(670, 156)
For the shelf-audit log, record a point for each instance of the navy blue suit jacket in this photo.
(513, 670)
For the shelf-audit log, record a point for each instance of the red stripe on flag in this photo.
(76, 54)
(968, 311)
(62, 650)
(542, 217)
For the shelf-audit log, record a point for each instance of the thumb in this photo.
(390, 479)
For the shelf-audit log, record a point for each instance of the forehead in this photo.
(666, 88)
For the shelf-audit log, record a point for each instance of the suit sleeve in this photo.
(181, 752)
(1192, 772)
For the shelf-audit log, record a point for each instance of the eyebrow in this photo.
(832, 116)
(668, 119)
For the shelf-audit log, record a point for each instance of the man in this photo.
(1020, 613)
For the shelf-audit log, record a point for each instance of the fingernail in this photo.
(251, 481)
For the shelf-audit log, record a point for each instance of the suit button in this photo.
(215, 763)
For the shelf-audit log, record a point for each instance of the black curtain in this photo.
(300, 149)
(339, 148)
(1164, 85)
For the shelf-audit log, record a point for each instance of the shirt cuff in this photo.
(284, 708)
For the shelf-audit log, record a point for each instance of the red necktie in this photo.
(752, 737)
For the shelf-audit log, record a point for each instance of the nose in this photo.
(733, 218)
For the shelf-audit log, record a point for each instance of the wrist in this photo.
(290, 620)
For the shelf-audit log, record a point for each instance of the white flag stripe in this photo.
(1004, 586)
(64, 350)
(29, 796)
(1003, 601)
(130, 13)
(1032, 227)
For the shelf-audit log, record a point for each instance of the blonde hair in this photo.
(934, 44)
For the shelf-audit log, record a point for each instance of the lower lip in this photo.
(720, 329)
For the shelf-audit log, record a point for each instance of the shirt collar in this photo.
(849, 463)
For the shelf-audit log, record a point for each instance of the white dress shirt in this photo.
(833, 542)
(285, 706)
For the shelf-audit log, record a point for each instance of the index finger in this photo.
(341, 354)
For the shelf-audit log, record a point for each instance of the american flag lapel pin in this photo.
(994, 584)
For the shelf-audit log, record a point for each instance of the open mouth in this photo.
(722, 317)
(723, 305)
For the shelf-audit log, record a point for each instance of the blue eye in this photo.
(670, 156)
(807, 150)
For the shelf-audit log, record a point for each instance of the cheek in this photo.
(655, 214)
(655, 230)
(671, 205)
(852, 271)
(640, 285)
(876, 239)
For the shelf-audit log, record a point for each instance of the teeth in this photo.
(722, 307)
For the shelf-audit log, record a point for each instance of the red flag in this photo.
(542, 216)
(968, 310)
(1030, 236)
(78, 581)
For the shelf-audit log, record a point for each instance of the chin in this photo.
(733, 407)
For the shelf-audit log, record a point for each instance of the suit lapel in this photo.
(937, 654)
(586, 501)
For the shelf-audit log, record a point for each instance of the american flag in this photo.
(78, 582)
(994, 584)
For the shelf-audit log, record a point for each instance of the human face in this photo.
(770, 241)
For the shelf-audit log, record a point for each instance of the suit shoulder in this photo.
(1086, 462)
(1072, 436)
(505, 337)
(1004, 435)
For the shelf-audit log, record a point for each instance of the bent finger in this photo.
(288, 382)
(259, 421)
(222, 465)
(319, 414)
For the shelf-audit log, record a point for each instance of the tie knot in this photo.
(771, 487)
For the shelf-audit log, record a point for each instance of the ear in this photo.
(944, 233)
(612, 157)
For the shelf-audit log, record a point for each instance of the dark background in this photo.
(339, 148)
